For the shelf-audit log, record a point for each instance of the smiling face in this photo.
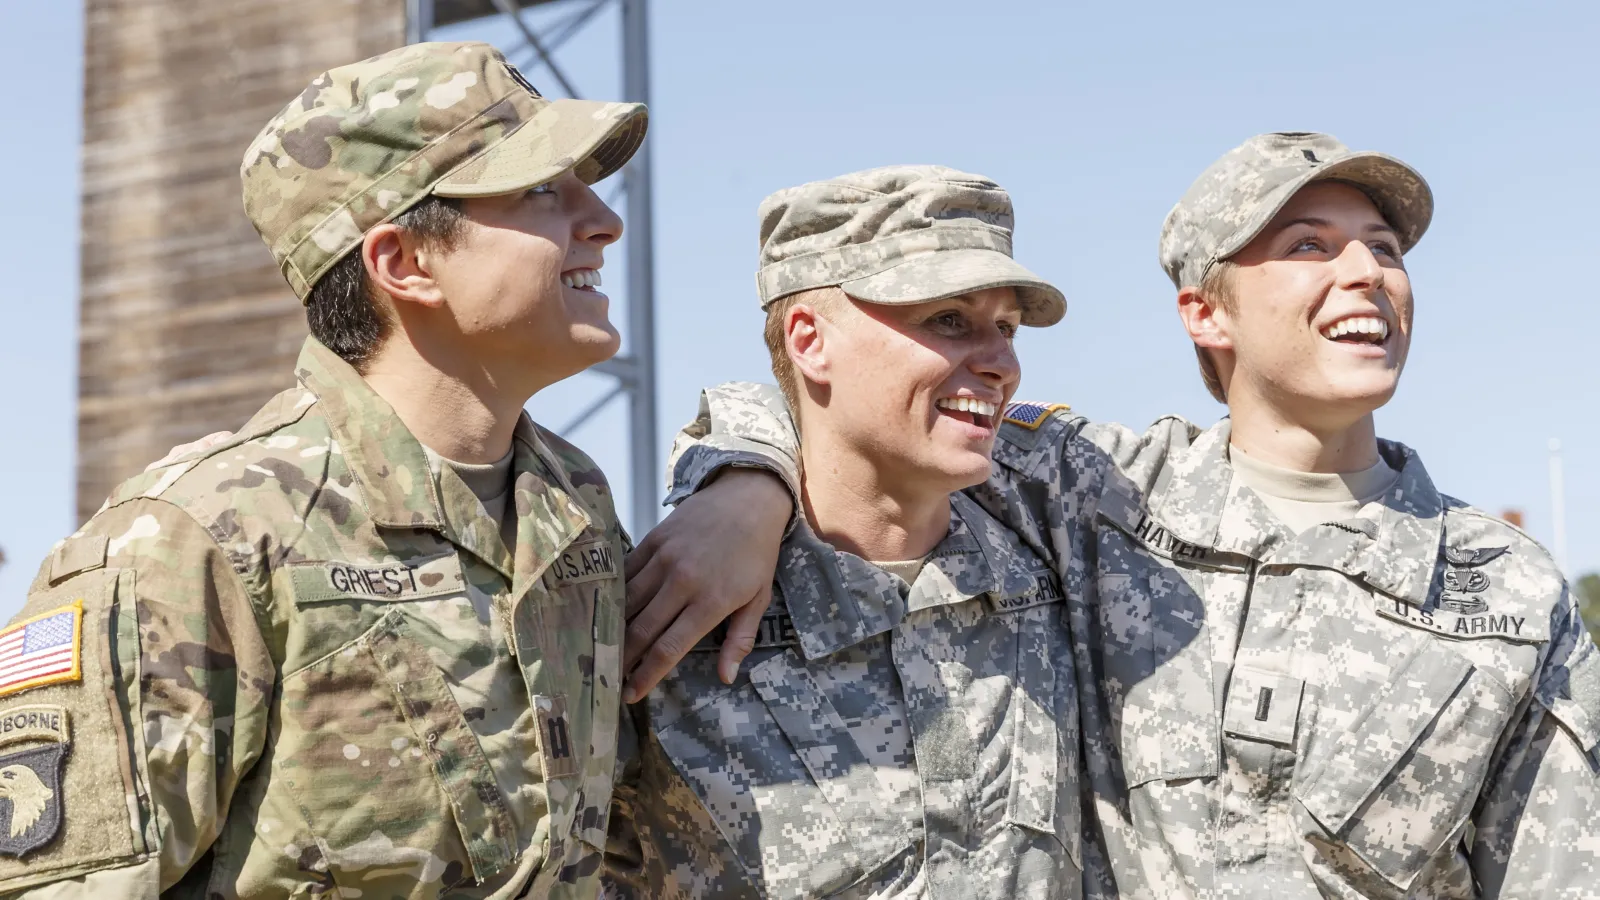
(521, 284)
(1317, 321)
(915, 390)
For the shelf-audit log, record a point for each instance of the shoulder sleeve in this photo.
(133, 695)
(740, 424)
(1535, 821)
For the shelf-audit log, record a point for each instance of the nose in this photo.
(995, 361)
(596, 223)
(1358, 269)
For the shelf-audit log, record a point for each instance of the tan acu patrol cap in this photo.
(367, 141)
(897, 235)
(1240, 193)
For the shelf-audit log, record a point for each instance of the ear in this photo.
(1207, 323)
(805, 338)
(400, 268)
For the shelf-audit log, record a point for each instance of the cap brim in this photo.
(949, 273)
(1400, 192)
(592, 137)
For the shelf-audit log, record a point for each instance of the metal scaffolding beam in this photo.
(634, 370)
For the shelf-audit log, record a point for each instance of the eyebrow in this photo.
(1314, 222)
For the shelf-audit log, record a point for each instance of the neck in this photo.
(458, 411)
(851, 505)
(1268, 434)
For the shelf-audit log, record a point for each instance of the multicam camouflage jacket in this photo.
(308, 667)
(1399, 706)
(884, 740)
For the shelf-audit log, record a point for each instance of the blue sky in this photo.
(1095, 116)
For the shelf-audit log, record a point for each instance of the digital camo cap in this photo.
(898, 234)
(367, 141)
(1240, 193)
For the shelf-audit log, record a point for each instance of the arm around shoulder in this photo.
(741, 425)
(134, 703)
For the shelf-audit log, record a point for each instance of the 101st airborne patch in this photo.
(30, 778)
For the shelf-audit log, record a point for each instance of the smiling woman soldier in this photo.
(907, 726)
(1303, 670)
(331, 656)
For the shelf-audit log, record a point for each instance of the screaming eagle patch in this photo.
(30, 779)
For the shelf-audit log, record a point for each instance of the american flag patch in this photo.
(1031, 415)
(42, 650)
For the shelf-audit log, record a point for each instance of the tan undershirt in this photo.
(490, 483)
(907, 569)
(1306, 499)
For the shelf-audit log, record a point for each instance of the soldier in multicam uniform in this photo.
(1294, 682)
(906, 727)
(328, 657)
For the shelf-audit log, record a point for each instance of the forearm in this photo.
(740, 425)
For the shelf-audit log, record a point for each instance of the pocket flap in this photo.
(825, 747)
(1366, 754)
(458, 761)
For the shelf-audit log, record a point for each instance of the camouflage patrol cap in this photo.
(896, 235)
(367, 141)
(1240, 193)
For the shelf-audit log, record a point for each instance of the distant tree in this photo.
(1587, 592)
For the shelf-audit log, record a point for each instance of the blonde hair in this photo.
(821, 299)
(1217, 289)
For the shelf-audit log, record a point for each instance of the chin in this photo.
(599, 341)
(962, 473)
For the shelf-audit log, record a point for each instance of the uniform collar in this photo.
(836, 599)
(398, 487)
(1197, 499)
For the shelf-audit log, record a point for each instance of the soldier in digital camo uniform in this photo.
(312, 661)
(1293, 684)
(906, 728)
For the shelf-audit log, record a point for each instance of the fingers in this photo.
(743, 627)
(646, 570)
(643, 553)
(658, 605)
(667, 649)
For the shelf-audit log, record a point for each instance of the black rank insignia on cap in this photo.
(30, 779)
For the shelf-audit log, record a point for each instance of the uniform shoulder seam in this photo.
(1457, 507)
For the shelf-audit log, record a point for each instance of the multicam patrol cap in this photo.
(1240, 193)
(367, 141)
(897, 235)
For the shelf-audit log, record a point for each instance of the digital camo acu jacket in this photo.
(1406, 706)
(309, 669)
(884, 740)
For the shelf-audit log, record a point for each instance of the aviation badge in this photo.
(30, 778)
(1463, 581)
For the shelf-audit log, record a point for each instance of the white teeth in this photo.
(966, 404)
(1357, 325)
(581, 278)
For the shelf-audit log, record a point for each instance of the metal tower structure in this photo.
(634, 370)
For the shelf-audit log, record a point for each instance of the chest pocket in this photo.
(1156, 656)
(795, 797)
(1403, 779)
(1044, 743)
(378, 756)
